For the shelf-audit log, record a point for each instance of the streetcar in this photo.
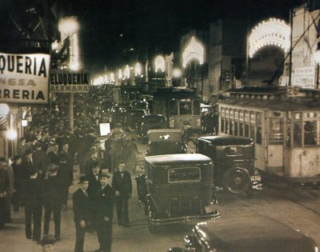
(285, 126)
(181, 107)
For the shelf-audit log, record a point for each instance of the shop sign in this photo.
(24, 78)
(69, 81)
(304, 77)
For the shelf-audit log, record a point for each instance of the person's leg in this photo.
(125, 212)
(28, 214)
(47, 215)
(37, 214)
(108, 237)
(80, 234)
(119, 211)
(57, 223)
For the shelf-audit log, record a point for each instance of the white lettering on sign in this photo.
(24, 78)
(304, 77)
(65, 81)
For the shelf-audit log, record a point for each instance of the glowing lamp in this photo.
(24, 123)
(316, 54)
(159, 64)
(126, 72)
(194, 50)
(176, 73)
(137, 69)
(4, 109)
(12, 134)
(68, 25)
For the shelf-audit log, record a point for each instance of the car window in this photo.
(188, 174)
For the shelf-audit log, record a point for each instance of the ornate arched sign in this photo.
(271, 32)
(159, 64)
(194, 50)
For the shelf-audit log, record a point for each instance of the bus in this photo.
(285, 126)
(181, 106)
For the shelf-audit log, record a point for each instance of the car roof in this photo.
(226, 140)
(158, 135)
(252, 233)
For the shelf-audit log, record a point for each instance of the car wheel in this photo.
(237, 180)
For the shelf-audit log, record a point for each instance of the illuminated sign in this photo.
(194, 50)
(126, 72)
(272, 32)
(137, 69)
(69, 82)
(159, 64)
(24, 78)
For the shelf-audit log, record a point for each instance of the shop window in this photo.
(259, 135)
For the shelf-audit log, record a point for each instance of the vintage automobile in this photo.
(175, 188)
(233, 159)
(134, 118)
(246, 234)
(152, 122)
(165, 141)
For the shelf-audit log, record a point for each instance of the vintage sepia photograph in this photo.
(160, 125)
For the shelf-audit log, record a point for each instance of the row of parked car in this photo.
(178, 186)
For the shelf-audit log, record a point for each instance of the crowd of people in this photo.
(39, 176)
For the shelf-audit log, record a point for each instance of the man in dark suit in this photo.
(81, 210)
(31, 197)
(122, 185)
(53, 201)
(104, 203)
(94, 177)
(4, 189)
(54, 154)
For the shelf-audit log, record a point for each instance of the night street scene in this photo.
(169, 125)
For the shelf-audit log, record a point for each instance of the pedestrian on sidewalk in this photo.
(122, 185)
(82, 213)
(53, 200)
(32, 200)
(104, 203)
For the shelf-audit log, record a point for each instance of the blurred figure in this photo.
(20, 175)
(10, 189)
(65, 173)
(4, 189)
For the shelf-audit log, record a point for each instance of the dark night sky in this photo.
(109, 28)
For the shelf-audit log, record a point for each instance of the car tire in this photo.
(237, 180)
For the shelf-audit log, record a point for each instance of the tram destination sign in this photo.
(24, 78)
(69, 81)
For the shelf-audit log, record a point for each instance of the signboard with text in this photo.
(24, 78)
(304, 77)
(62, 81)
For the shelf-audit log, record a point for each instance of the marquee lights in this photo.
(194, 50)
(271, 32)
(112, 78)
(126, 72)
(120, 75)
(137, 69)
(159, 64)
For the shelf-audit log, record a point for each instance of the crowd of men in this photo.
(39, 176)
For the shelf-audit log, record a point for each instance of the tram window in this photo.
(297, 133)
(222, 125)
(196, 107)
(309, 133)
(231, 128)
(259, 135)
(185, 107)
(236, 129)
(173, 107)
(241, 129)
(276, 130)
(246, 130)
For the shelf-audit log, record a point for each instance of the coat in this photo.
(53, 193)
(104, 203)
(122, 184)
(32, 190)
(81, 207)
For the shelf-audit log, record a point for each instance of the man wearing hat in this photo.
(104, 203)
(31, 197)
(53, 200)
(82, 213)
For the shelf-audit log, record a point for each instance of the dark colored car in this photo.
(152, 122)
(175, 188)
(165, 141)
(134, 118)
(246, 234)
(233, 159)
